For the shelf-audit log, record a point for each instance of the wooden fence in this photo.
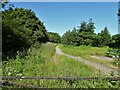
(6, 80)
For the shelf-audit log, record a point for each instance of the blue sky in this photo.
(63, 16)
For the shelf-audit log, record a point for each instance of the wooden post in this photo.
(38, 82)
(70, 82)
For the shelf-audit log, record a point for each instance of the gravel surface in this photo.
(103, 58)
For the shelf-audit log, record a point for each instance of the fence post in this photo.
(70, 82)
(38, 82)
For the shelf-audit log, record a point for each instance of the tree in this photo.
(105, 37)
(86, 32)
(90, 26)
(54, 37)
(83, 26)
(66, 37)
(21, 28)
(4, 4)
(115, 41)
(97, 41)
(82, 36)
(86, 27)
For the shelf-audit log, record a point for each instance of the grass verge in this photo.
(86, 52)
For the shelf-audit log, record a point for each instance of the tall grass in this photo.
(39, 62)
(83, 50)
(70, 67)
(31, 65)
(86, 52)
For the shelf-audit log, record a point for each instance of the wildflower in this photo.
(9, 73)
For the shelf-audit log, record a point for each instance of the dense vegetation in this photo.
(40, 63)
(28, 51)
(54, 37)
(84, 35)
(21, 28)
(34, 64)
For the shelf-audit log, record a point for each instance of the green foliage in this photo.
(31, 65)
(86, 27)
(4, 4)
(105, 38)
(116, 38)
(23, 31)
(102, 39)
(71, 37)
(54, 37)
(115, 41)
(39, 63)
(84, 35)
(21, 28)
(83, 50)
(70, 67)
(116, 62)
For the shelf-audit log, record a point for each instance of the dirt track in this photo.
(104, 69)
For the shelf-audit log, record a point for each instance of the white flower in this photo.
(20, 74)
(9, 73)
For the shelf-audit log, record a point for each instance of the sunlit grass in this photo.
(86, 52)
(39, 62)
(71, 67)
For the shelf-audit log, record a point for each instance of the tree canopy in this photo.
(84, 35)
(21, 28)
(115, 41)
(54, 37)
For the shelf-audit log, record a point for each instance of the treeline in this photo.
(85, 35)
(21, 29)
(54, 37)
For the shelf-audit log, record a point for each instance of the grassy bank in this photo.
(86, 52)
(32, 64)
(39, 62)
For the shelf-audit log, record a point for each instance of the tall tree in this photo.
(105, 37)
(83, 26)
(21, 28)
(115, 41)
(82, 36)
(90, 26)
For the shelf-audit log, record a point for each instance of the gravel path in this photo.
(103, 58)
(104, 69)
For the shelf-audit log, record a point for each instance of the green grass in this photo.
(32, 65)
(86, 52)
(70, 67)
(83, 50)
(39, 62)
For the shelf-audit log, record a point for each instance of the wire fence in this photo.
(9, 80)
